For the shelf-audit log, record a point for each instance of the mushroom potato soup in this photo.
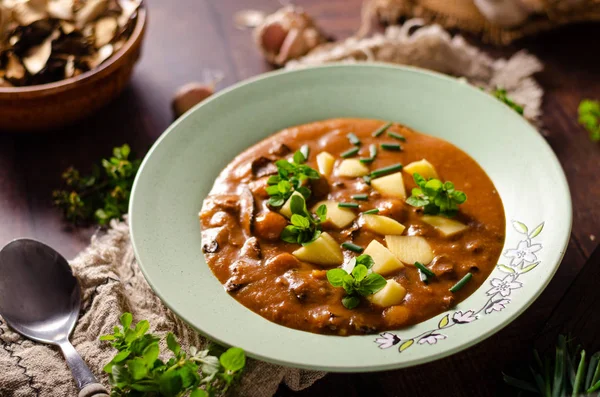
(352, 226)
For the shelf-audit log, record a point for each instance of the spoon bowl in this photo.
(40, 299)
(39, 296)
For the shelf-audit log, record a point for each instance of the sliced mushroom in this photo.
(263, 166)
(251, 249)
(246, 210)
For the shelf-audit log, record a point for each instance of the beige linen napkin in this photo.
(112, 283)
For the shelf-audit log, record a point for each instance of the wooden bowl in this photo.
(47, 107)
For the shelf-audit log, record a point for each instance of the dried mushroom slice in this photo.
(61, 9)
(105, 30)
(38, 56)
(42, 41)
(15, 71)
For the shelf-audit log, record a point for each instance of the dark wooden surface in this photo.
(188, 36)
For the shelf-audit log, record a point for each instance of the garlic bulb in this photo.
(287, 34)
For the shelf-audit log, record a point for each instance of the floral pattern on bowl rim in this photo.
(522, 259)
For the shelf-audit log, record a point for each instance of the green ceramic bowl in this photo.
(180, 169)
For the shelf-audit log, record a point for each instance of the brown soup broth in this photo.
(242, 248)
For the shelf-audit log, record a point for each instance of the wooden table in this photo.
(188, 36)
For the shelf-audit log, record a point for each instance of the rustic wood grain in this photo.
(186, 38)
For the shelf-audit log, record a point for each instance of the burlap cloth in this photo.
(465, 16)
(111, 280)
(112, 283)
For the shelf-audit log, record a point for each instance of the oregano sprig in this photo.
(305, 227)
(359, 282)
(101, 196)
(137, 371)
(436, 197)
(291, 176)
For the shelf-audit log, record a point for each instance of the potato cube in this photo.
(410, 249)
(286, 209)
(352, 168)
(390, 295)
(382, 224)
(336, 216)
(325, 163)
(391, 185)
(324, 251)
(423, 168)
(447, 227)
(385, 261)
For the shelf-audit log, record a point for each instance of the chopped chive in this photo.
(381, 129)
(366, 160)
(372, 150)
(456, 287)
(350, 153)
(367, 179)
(360, 197)
(397, 136)
(423, 277)
(352, 247)
(424, 269)
(305, 150)
(372, 211)
(386, 170)
(391, 146)
(353, 139)
(347, 205)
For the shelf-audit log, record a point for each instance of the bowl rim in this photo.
(499, 324)
(63, 85)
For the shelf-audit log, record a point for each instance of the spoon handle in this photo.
(86, 381)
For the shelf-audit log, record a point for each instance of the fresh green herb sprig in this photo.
(564, 372)
(436, 197)
(101, 196)
(500, 94)
(359, 282)
(305, 228)
(137, 371)
(589, 118)
(291, 176)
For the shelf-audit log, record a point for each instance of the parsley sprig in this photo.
(305, 228)
(291, 176)
(359, 282)
(589, 118)
(137, 371)
(436, 197)
(101, 196)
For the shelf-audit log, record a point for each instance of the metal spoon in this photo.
(40, 299)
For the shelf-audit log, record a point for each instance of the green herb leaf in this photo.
(101, 196)
(358, 283)
(290, 177)
(350, 301)
(371, 284)
(233, 359)
(336, 277)
(172, 344)
(436, 197)
(305, 228)
(359, 273)
(589, 117)
(136, 369)
(500, 94)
